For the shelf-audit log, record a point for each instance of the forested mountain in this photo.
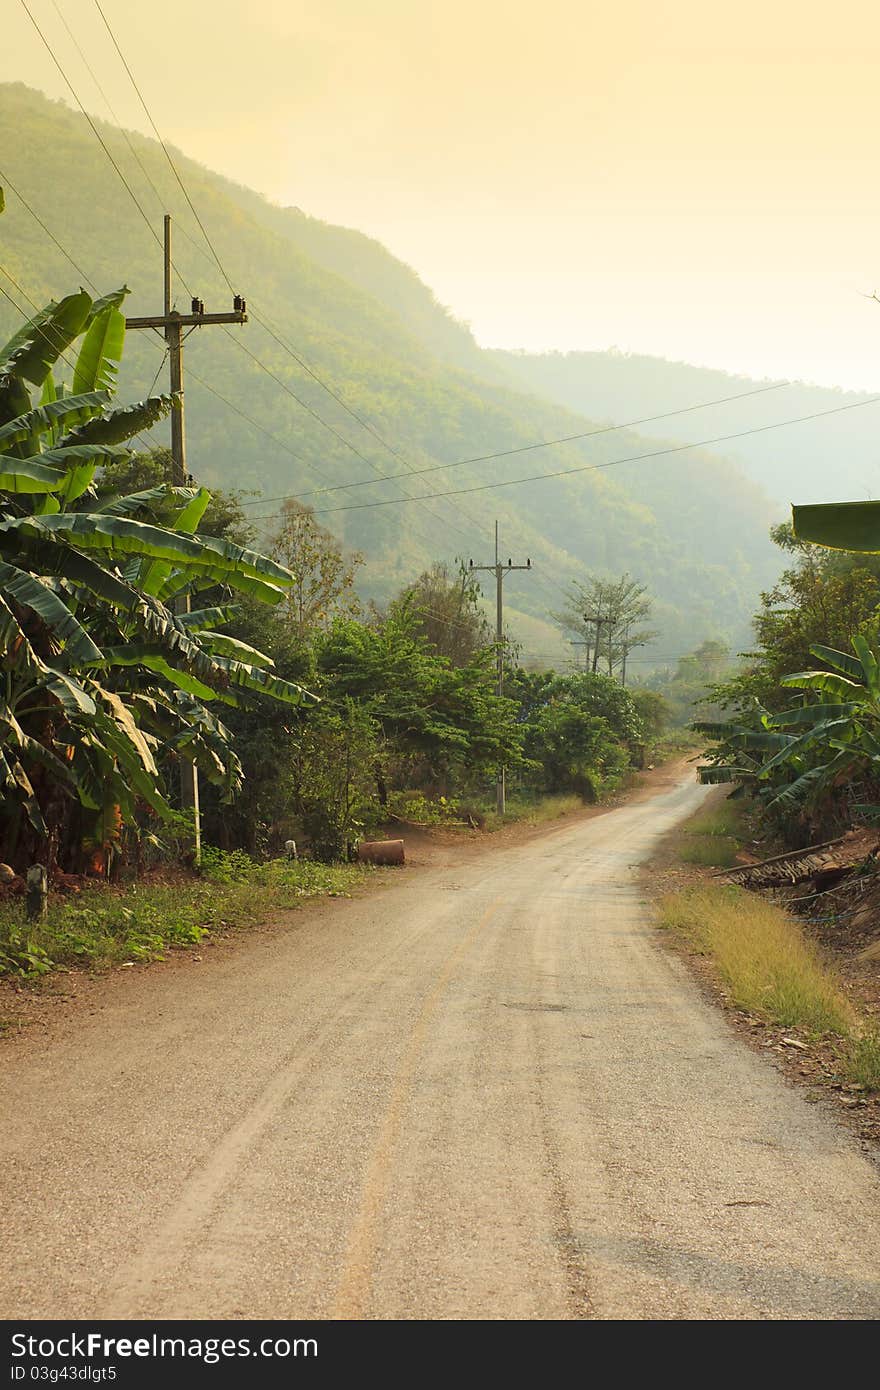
(819, 459)
(692, 527)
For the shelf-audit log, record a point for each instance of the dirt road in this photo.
(481, 1092)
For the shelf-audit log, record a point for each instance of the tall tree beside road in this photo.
(323, 584)
(606, 614)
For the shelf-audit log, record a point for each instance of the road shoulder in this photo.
(811, 1063)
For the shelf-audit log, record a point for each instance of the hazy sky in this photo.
(689, 178)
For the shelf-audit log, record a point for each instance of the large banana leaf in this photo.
(101, 352)
(202, 558)
(202, 619)
(153, 659)
(37, 347)
(124, 718)
(827, 681)
(154, 502)
(70, 694)
(67, 472)
(186, 522)
(96, 454)
(814, 780)
(15, 398)
(113, 300)
(32, 593)
(27, 476)
(121, 424)
(220, 644)
(24, 334)
(839, 525)
(15, 648)
(817, 715)
(17, 786)
(123, 536)
(714, 775)
(870, 667)
(840, 661)
(64, 410)
(258, 679)
(800, 745)
(51, 556)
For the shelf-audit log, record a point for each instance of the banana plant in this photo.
(839, 525)
(102, 683)
(822, 750)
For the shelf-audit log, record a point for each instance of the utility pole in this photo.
(171, 324)
(625, 654)
(600, 623)
(499, 572)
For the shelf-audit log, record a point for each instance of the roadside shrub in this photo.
(226, 866)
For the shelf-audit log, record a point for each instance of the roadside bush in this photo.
(337, 799)
(226, 866)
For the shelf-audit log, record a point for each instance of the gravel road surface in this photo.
(483, 1091)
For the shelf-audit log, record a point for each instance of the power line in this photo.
(611, 463)
(153, 233)
(123, 132)
(551, 443)
(7, 182)
(264, 323)
(140, 208)
(406, 497)
(173, 166)
(365, 424)
(97, 134)
(158, 372)
(94, 128)
(17, 307)
(286, 346)
(238, 411)
(222, 270)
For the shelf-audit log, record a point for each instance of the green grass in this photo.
(713, 837)
(107, 926)
(724, 819)
(768, 965)
(525, 811)
(715, 852)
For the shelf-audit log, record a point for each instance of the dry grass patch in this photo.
(862, 1061)
(769, 967)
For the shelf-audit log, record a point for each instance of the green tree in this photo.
(437, 721)
(606, 614)
(654, 711)
(574, 750)
(323, 585)
(689, 688)
(445, 611)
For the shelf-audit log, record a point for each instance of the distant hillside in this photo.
(693, 527)
(834, 458)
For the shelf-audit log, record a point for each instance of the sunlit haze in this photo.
(691, 180)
